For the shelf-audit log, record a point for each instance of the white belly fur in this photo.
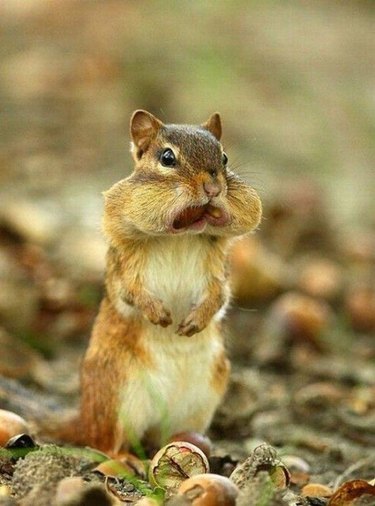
(179, 384)
(176, 273)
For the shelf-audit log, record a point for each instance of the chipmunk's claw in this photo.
(188, 327)
(165, 320)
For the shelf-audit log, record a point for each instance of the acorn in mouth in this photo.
(195, 216)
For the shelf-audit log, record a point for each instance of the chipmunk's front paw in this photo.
(191, 325)
(157, 314)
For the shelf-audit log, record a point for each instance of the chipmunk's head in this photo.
(181, 178)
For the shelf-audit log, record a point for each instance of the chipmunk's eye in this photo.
(167, 158)
(224, 159)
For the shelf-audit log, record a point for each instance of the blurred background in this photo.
(294, 82)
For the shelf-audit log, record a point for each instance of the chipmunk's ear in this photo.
(143, 129)
(213, 125)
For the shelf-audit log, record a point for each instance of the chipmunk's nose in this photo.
(211, 189)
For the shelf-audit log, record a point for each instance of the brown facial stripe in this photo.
(197, 146)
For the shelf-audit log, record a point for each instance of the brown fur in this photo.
(103, 369)
(127, 355)
(220, 373)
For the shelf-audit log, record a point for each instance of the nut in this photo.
(203, 442)
(11, 425)
(209, 490)
(316, 490)
(263, 459)
(175, 463)
(301, 317)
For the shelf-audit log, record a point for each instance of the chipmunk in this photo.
(156, 361)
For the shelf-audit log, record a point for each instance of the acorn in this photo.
(11, 425)
(196, 438)
(300, 317)
(316, 490)
(262, 459)
(209, 490)
(176, 462)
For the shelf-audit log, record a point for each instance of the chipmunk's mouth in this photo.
(197, 217)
